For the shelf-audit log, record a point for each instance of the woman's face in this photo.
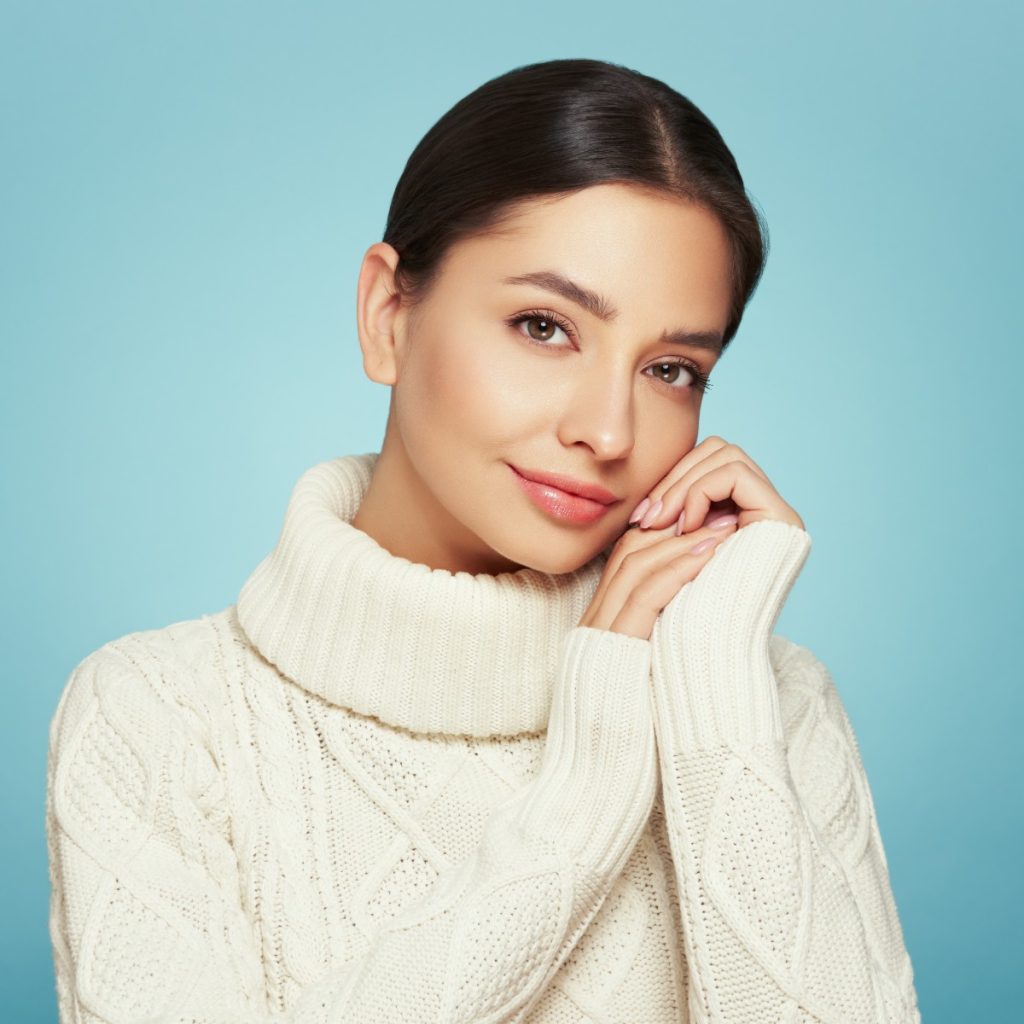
(601, 395)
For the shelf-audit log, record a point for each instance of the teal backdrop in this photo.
(187, 192)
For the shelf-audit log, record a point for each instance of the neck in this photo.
(404, 517)
(418, 647)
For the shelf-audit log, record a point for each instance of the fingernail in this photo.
(640, 510)
(723, 521)
(681, 525)
(704, 545)
(652, 513)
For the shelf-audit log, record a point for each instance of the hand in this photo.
(645, 570)
(648, 566)
(714, 471)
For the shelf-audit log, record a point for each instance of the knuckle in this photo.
(623, 546)
(630, 559)
(639, 598)
(632, 538)
(713, 531)
(629, 536)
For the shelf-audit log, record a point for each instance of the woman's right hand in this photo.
(645, 570)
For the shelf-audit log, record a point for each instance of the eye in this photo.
(548, 322)
(701, 380)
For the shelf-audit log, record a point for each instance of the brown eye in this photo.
(541, 327)
(673, 371)
(546, 329)
(697, 381)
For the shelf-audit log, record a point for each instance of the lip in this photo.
(564, 497)
(594, 492)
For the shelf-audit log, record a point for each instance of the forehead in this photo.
(648, 253)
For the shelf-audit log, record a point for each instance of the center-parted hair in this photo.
(550, 129)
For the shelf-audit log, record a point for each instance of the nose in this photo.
(600, 413)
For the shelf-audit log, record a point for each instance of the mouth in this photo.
(569, 485)
(556, 496)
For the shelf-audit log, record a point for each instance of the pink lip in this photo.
(552, 494)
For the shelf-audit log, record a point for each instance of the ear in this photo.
(380, 318)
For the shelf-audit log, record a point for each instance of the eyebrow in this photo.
(599, 306)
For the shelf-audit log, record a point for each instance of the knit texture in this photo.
(372, 791)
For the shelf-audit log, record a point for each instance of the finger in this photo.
(694, 456)
(697, 454)
(720, 514)
(645, 601)
(755, 496)
(635, 565)
(631, 540)
(673, 496)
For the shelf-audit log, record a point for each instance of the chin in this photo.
(558, 558)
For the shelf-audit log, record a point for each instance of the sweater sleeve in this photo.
(787, 910)
(146, 916)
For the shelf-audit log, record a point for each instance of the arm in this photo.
(146, 917)
(784, 892)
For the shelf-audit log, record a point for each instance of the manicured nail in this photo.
(723, 521)
(704, 545)
(651, 514)
(640, 510)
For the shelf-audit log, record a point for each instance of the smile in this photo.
(563, 505)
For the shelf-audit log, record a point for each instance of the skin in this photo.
(472, 393)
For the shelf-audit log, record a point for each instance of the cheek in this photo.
(662, 441)
(483, 388)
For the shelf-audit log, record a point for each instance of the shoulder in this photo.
(798, 670)
(149, 681)
(823, 751)
(133, 735)
(794, 661)
(807, 689)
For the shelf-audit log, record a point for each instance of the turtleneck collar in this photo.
(423, 649)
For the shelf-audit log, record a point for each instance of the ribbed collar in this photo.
(420, 648)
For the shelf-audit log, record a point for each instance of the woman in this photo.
(500, 730)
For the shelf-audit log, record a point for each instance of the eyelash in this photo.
(701, 380)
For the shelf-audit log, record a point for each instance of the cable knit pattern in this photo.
(787, 910)
(375, 791)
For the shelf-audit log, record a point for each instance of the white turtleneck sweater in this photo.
(372, 791)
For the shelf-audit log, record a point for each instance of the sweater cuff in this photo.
(712, 678)
(599, 772)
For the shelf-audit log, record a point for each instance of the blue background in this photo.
(187, 192)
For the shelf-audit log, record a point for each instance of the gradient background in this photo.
(187, 192)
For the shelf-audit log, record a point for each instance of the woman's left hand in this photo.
(715, 471)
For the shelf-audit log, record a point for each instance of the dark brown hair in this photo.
(553, 128)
